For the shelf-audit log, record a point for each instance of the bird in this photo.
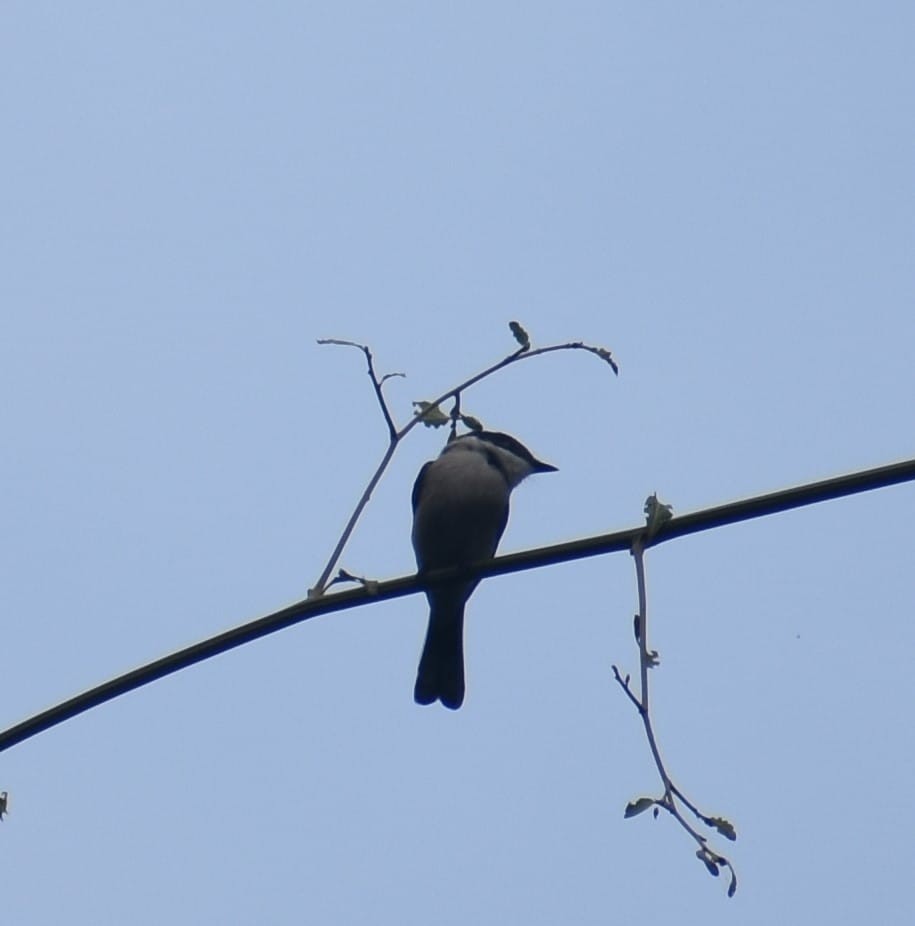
(460, 509)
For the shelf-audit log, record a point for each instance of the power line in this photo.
(707, 519)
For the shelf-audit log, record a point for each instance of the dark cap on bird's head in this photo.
(512, 445)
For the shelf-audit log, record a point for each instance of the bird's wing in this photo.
(503, 520)
(418, 485)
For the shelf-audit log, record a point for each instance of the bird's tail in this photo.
(440, 676)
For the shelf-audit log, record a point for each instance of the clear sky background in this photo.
(723, 194)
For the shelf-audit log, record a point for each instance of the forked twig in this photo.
(648, 659)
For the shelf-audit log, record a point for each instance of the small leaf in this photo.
(706, 860)
(342, 576)
(640, 805)
(655, 812)
(4, 803)
(473, 423)
(431, 415)
(725, 827)
(657, 514)
(370, 585)
(521, 336)
(732, 887)
(607, 357)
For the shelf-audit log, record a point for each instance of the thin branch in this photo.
(455, 415)
(523, 353)
(624, 684)
(648, 660)
(377, 384)
(645, 661)
(319, 587)
(408, 585)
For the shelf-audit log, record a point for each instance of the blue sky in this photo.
(721, 194)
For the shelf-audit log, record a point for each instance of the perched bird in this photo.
(460, 509)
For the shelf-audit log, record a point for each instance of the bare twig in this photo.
(712, 860)
(377, 384)
(321, 584)
(624, 684)
(523, 353)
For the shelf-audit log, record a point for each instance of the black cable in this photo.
(706, 519)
